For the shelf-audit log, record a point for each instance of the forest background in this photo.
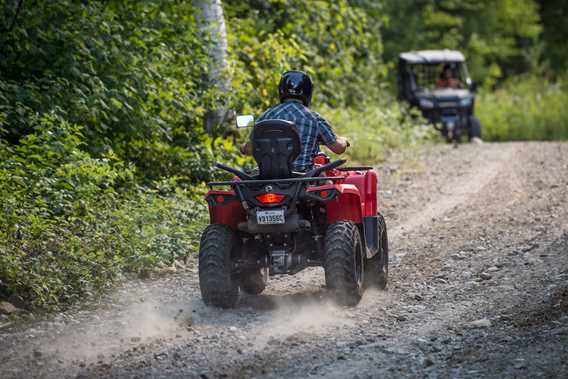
(113, 112)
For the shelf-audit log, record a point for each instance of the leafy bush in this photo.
(102, 146)
(337, 42)
(527, 108)
(71, 224)
(130, 72)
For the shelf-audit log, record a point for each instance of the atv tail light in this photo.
(270, 198)
(215, 199)
(324, 194)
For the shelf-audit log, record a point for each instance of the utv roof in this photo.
(432, 56)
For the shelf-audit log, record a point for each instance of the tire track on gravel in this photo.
(457, 190)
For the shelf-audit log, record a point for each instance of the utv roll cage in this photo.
(419, 70)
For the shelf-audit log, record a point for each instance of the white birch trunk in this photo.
(212, 22)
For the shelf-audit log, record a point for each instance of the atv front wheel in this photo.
(218, 287)
(474, 128)
(254, 282)
(377, 268)
(344, 262)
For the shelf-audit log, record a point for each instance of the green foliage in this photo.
(373, 130)
(527, 108)
(494, 34)
(71, 224)
(337, 42)
(130, 72)
(554, 15)
(101, 114)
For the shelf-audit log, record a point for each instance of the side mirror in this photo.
(244, 121)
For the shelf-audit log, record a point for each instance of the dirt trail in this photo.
(478, 288)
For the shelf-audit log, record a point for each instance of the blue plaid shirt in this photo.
(311, 127)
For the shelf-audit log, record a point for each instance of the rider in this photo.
(447, 79)
(295, 91)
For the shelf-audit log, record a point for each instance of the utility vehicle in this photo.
(278, 222)
(447, 102)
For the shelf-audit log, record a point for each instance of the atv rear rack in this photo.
(273, 181)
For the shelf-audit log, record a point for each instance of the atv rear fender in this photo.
(346, 206)
(225, 208)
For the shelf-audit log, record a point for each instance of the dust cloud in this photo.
(132, 320)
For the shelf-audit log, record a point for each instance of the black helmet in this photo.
(296, 85)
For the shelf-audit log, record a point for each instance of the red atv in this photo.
(278, 221)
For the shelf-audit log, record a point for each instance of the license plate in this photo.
(270, 217)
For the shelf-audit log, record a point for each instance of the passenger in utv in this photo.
(295, 92)
(447, 79)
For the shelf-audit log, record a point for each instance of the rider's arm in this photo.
(335, 143)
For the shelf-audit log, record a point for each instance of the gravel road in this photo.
(478, 288)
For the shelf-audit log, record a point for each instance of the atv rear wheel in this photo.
(377, 268)
(254, 282)
(344, 262)
(218, 286)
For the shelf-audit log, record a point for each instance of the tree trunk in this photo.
(212, 23)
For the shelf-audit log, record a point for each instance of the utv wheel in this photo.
(344, 262)
(254, 282)
(377, 268)
(474, 128)
(218, 287)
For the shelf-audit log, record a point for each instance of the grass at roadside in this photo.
(373, 130)
(527, 108)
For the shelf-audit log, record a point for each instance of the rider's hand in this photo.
(345, 141)
(339, 146)
(246, 148)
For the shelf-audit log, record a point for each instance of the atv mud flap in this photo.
(371, 232)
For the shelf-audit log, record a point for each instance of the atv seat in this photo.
(275, 147)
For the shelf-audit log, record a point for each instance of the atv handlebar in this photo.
(325, 167)
(313, 173)
(238, 173)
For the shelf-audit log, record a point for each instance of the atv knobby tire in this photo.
(344, 262)
(218, 286)
(254, 282)
(377, 268)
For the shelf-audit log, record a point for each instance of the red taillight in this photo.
(324, 194)
(270, 198)
(220, 199)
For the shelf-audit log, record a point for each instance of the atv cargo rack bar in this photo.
(271, 181)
